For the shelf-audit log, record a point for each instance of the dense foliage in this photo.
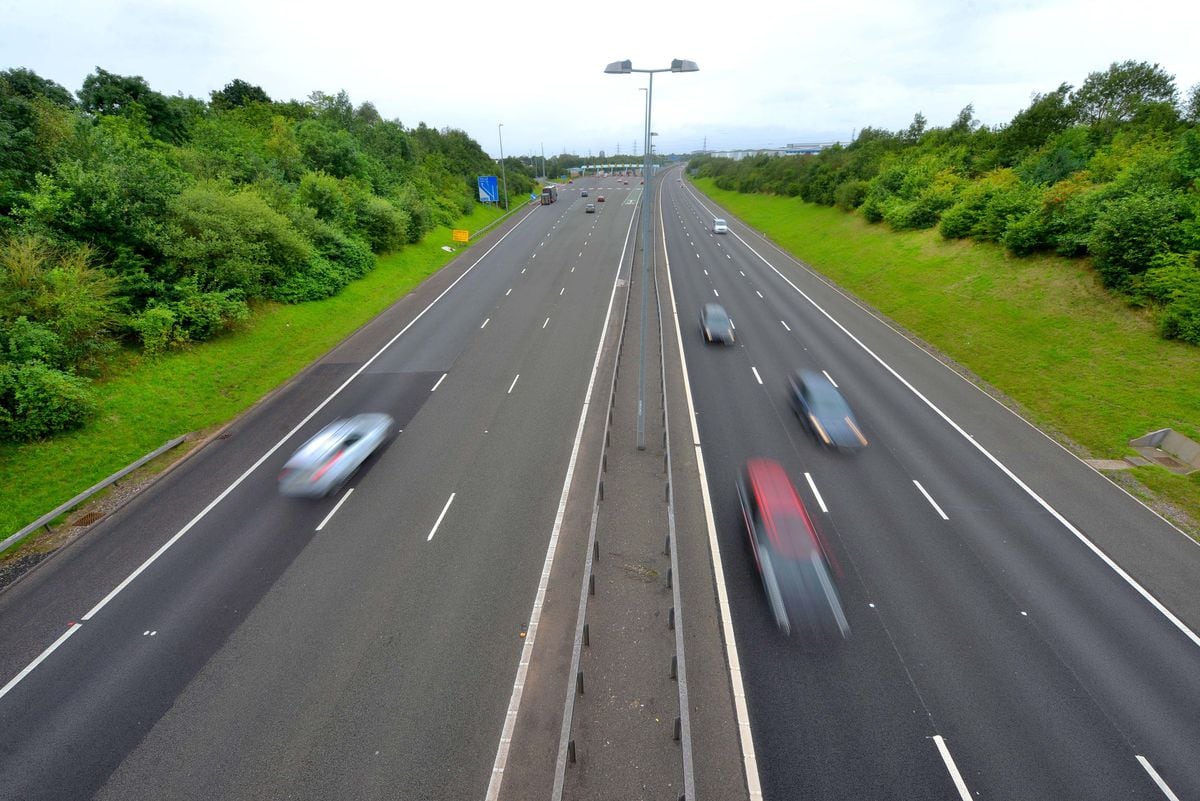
(1110, 170)
(129, 218)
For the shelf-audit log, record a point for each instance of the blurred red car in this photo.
(791, 557)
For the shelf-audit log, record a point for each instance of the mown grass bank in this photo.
(145, 402)
(1042, 330)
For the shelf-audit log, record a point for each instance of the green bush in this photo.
(1173, 281)
(384, 227)
(37, 400)
(1129, 233)
(25, 341)
(156, 329)
(1025, 234)
(850, 195)
(321, 279)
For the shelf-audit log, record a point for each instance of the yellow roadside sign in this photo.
(461, 235)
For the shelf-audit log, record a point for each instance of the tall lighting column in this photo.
(503, 176)
(623, 68)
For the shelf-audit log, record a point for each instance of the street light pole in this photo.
(504, 177)
(623, 68)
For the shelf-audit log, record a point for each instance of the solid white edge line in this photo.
(816, 492)
(1079, 535)
(30, 667)
(929, 498)
(237, 482)
(831, 381)
(514, 702)
(336, 506)
(439, 382)
(757, 377)
(737, 687)
(1162, 785)
(441, 517)
(961, 785)
(513, 384)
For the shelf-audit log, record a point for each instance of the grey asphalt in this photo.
(1043, 672)
(258, 658)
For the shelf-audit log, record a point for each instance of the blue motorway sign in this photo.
(489, 189)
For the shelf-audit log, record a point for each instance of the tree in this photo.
(238, 93)
(21, 82)
(1046, 117)
(1114, 96)
(106, 93)
(915, 129)
(1191, 106)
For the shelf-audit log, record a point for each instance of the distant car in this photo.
(715, 323)
(719, 226)
(589, 208)
(599, 198)
(824, 412)
(792, 559)
(583, 193)
(330, 458)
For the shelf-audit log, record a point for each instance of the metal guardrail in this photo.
(45, 519)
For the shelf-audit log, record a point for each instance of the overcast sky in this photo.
(771, 73)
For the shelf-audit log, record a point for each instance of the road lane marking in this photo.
(816, 492)
(963, 792)
(246, 474)
(785, 325)
(737, 686)
(731, 325)
(756, 292)
(929, 498)
(1162, 785)
(513, 384)
(757, 377)
(485, 322)
(333, 511)
(715, 292)
(439, 382)
(445, 509)
(546, 323)
(514, 703)
(831, 381)
(564, 289)
(706, 272)
(30, 667)
(509, 292)
(743, 274)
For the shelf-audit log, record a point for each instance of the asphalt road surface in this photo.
(993, 653)
(210, 642)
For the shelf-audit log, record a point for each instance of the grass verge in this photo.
(145, 402)
(1079, 362)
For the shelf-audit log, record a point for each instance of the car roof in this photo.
(788, 525)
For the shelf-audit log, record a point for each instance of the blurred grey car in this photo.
(715, 323)
(824, 412)
(329, 459)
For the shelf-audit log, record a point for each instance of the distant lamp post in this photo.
(503, 176)
(623, 68)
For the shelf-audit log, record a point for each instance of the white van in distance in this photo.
(719, 227)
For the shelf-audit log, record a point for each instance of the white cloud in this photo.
(769, 73)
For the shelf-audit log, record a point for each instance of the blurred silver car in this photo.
(329, 459)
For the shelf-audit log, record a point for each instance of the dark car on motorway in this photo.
(715, 323)
(583, 193)
(599, 198)
(824, 412)
(330, 458)
(792, 559)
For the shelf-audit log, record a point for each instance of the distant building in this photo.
(788, 150)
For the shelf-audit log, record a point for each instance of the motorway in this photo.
(993, 654)
(361, 646)
(214, 640)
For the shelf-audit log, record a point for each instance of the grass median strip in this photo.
(145, 402)
(1079, 362)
